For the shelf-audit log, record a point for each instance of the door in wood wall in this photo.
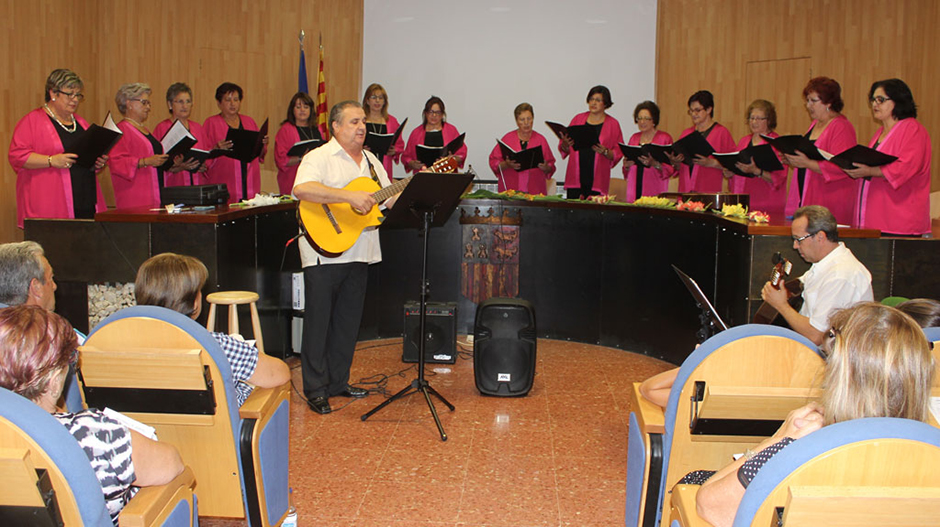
(781, 82)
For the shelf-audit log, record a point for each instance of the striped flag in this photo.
(320, 100)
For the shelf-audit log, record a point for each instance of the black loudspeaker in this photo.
(504, 347)
(440, 330)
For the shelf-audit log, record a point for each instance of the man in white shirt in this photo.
(835, 280)
(335, 287)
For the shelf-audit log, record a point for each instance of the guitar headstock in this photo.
(444, 165)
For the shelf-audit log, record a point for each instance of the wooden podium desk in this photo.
(242, 248)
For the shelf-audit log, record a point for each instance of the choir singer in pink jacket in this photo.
(136, 159)
(48, 183)
(242, 179)
(649, 177)
(767, 190)
(532, 181)
(895, 198)
(588, 171)
(434, 130)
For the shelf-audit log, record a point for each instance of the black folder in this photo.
(246, 144)
(863, 156)
(692, 145)
(429, 154)
(528, 158)
(763, 156)
(657, 152)
(584, 136)
(301, 148)
(95, 142)
(380, 143)
(790, 144)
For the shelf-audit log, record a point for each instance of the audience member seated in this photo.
(924, 311)
(175, 282)
(835, 280)
(880, 365)
(25, 276)
(36, 349)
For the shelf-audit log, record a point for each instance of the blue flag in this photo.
(302, 74)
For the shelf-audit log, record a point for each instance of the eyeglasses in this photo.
(434, 112)
(75, 96)
(696, 111)
(756, 118)
(801, 238)
(644, 118)
(144, 102)
(181, 101)
(810, 100)
(376, 97)
(879, 99)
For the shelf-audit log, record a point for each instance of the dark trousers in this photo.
(334, 295)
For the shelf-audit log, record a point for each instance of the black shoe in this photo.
(352, 391)
(320, 405)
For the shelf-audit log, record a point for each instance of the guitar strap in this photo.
(375, 177)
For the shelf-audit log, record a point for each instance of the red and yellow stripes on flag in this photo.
(323, 112)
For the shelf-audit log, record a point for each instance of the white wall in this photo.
(485, 57)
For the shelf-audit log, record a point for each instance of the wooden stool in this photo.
(233, 299)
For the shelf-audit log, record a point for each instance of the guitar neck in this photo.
(391, 190)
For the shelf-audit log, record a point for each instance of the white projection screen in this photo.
(485, 57)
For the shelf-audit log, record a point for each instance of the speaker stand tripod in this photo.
(431, 198)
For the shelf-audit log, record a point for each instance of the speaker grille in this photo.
(440, 332)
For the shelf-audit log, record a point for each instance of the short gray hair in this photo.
(337, 111)
(127, 92)
(819, 219)
(62, 78)
(20, 262)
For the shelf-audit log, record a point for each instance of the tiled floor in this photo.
(554, 458)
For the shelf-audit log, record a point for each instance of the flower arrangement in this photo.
(758, 216)
(691, 206)
(603, 199)
(655, 202)
(733, 211)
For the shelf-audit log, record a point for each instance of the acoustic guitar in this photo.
(766, 313)
(333, 228)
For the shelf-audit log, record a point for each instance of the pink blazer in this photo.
(133, 187)
(528, 181)
(706, 179)
(832, 188)
(767, 197)
(42, 192)
(227, 170)
(899, 203)
(183, 177)
(655, 181)
(610, 137)
(417, 138)
(287, 136)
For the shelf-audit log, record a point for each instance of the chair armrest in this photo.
(148, 504)
(650, 416)
(261, 401)
(683, 506)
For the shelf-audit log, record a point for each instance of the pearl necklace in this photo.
(139, 126)
(56, 119)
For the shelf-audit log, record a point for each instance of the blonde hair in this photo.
(373, 89)
(172, 281)
(880, 365)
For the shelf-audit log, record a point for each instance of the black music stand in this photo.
(709, 316)
(428, 201)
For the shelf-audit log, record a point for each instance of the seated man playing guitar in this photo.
(835, 280)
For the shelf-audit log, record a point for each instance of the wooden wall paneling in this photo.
(111, 42)
(780, 82)
(716, 45)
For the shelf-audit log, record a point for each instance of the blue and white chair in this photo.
(165, 370)
(729, 394)
(46, 478)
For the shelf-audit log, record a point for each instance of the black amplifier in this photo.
(195, 195)
(440, 344)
